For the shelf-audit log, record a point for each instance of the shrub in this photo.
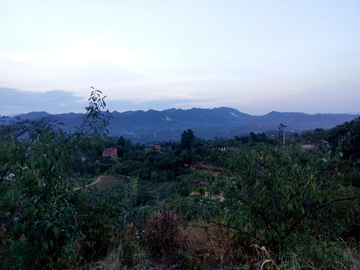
(272, 196)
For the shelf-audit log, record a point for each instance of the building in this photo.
(110, 152)
(159, 148)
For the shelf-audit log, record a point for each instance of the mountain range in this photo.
(155, 126)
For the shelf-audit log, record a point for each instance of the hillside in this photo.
(152, 125)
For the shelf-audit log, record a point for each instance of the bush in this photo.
(273, 196)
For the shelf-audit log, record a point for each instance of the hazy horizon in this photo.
(77, 103)
(253, 56)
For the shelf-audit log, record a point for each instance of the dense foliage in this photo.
(40, 212)
(280, 198)
(345, 139)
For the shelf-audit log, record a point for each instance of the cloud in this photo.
(82, 53)
(169, 96)
(182, 79)
(15, 101)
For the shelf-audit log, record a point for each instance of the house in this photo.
(159, 148)
(110, 152)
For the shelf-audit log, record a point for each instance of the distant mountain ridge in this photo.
(154, 126)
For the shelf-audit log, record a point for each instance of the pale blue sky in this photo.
(254, 56)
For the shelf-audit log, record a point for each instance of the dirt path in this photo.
(104, 181)
(207, 168)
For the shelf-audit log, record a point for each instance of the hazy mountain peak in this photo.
(34, 115)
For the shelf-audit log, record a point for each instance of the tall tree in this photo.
(346, 139)
(186, 139)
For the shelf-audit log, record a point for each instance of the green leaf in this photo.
(56, 232)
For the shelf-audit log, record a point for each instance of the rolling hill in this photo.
(153, 126)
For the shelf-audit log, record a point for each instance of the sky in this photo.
(254, 56)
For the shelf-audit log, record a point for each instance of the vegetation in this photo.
(244, 203)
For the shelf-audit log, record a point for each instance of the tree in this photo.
(121, 141)
(345, 139)
(36, 188)
(186, 139)
(276, 197)
(242, 139)
(256, 138)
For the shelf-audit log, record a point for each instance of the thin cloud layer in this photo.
(82, 53)
(14, 101)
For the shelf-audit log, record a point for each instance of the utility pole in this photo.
(284, 136)
(282, 128)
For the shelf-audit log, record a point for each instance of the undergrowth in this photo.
(164, 243)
